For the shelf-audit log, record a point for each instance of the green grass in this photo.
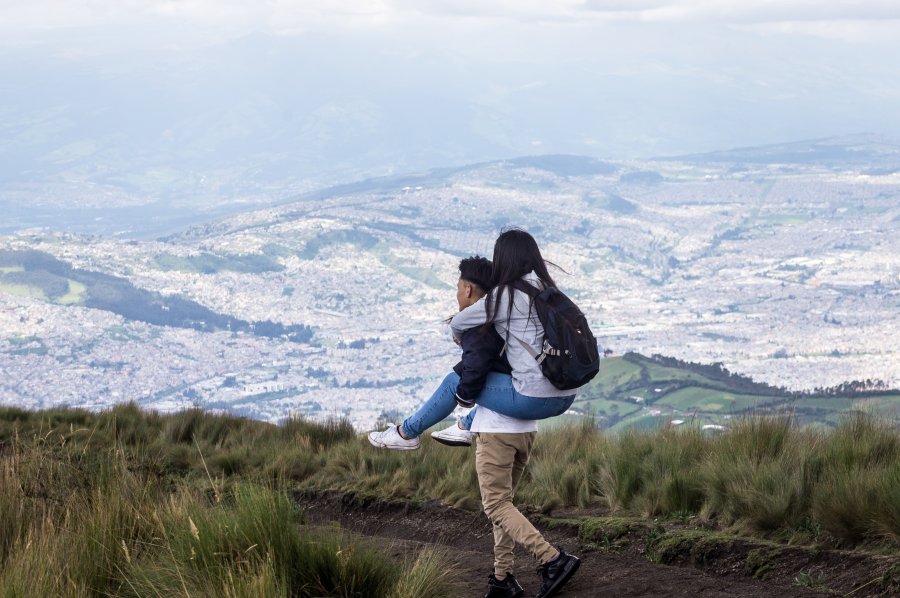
(783, 219)
(130, 502)
(383, 252)
(207, 263)
(359, 239)
(604, 407)
(21, 290)
(615, 373)
(830, 404)
(76, 295)
(886, 406)
(641, 421)
(706, 399)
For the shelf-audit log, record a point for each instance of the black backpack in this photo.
(570, 357)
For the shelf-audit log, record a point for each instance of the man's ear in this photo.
(468, 290)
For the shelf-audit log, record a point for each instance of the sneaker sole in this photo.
(518, 593)
(392, 448)
(451, 442)
(569, 570)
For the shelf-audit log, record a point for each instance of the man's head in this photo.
(474, 280)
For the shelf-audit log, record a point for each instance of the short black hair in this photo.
(477, 270)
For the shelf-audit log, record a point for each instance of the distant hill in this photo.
(635, 391)
(41, 275)
(875, 152)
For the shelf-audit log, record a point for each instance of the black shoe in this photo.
(556, 573)
(508, 588)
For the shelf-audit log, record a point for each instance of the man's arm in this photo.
(471, 317)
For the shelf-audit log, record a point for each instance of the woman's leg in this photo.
(438, 407)
(500, 396)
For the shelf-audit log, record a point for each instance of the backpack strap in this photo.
(539, 357)
(521, 285)
(546, 349)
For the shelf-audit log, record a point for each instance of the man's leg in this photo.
(496, 460)
(465, 422)
(503, 542)
(441, 404)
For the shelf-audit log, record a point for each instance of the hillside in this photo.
(634, 391)
(128, 502)
(38, 274)
(786, 273)
(631, 391)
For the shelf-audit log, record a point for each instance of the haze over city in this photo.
(201, 103)
(719, 180)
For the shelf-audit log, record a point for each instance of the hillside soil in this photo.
(612, 564)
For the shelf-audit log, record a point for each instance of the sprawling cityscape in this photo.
(788, 273)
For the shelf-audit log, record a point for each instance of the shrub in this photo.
(760, 474)
(859, 491)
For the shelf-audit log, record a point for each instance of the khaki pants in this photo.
(500, 460)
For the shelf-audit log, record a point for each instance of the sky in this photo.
(861, 21)
(159, 97)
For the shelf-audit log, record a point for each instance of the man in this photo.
(482, 351)
(503, 449)
(482, 355)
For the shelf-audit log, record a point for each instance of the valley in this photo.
(787, 272)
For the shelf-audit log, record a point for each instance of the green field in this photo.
(21, 290)
(76, 294)
(207, 263)
(637, 392)
(783, 219)
(886, 406)
(361, 240)
(424, 275)
(707, 399)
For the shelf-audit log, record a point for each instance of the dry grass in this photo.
(126, 502)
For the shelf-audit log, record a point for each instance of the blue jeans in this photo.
(498, 395)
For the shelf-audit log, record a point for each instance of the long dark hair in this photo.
(516, 253)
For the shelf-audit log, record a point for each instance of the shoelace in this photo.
(540, 569)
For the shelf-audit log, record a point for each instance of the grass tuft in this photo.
(131, 503)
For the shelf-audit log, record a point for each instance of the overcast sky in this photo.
(389, 85)
(861, 21)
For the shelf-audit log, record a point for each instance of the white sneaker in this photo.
(453, 436)
(391, 439)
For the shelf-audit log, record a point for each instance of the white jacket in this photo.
(522, 326)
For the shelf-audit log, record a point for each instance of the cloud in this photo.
(746, 11)
(276, 15)
(513, 10)
(457, 23)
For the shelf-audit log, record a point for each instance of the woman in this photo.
(524, 394)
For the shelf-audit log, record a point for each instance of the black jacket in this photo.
(481, 355)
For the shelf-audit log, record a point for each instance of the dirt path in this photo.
(405, 528)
